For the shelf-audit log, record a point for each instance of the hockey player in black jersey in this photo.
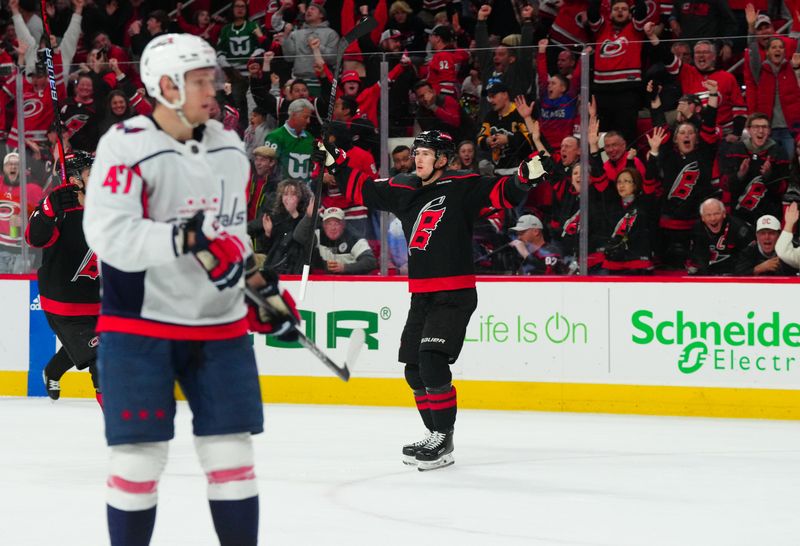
(437, 208)
(69, 288)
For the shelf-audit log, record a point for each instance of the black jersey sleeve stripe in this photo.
(223, 148)
(151, 156)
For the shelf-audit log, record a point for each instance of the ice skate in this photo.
(53, 386)
(437, 453)
(410, 450)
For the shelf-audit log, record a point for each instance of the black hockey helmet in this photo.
(76, 161)
(438, 141)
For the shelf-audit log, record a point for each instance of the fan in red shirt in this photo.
(442, 70)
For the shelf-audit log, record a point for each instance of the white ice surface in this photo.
(332, 476)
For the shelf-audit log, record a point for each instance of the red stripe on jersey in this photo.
(67, 309)
(441, 283)
(358, 187)
(161, 330)
(50, 242)
(497, 196)
(394, 184)
(674, 223)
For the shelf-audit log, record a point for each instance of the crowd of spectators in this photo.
(693, 136)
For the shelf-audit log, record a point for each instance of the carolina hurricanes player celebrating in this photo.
(437, 208)
(69, 288)
(166, 215)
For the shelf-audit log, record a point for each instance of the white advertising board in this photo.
(640, 333)
(14, 338)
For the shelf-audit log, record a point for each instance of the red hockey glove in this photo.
(279, 316)
(62, 198)
(218, 252)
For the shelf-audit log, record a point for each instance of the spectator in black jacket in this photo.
(339, 252)
(717, 240)
(285, 229)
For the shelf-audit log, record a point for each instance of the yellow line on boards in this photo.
(499, 395)
(13, 383)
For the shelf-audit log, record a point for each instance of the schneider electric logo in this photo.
(757, 343)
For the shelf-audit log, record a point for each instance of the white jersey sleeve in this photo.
(115, 218)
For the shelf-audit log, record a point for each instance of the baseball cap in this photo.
(390, 33)
(444, 32)
(768, 222)
(350, 76)
(333, 212)
(692, 98)
(265, 151)
(10, 156)
(497, 87)
(528, 221)
(763, 19)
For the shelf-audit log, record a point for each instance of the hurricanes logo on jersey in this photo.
(572, 225)
(625, 224)
(88, 267)
(427, 221)
(752, 194)
(76, 123)
(685, 181)
(614, 48)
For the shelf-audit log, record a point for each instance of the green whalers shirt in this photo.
(294, 152)
(238, 44)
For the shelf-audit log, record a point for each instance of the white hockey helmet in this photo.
(173, 55)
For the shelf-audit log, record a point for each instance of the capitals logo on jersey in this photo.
(88, 267)
(427, 221)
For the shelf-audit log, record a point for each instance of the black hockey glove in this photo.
(218, 252)
(531, 171)
(61, 199)
(277, 316)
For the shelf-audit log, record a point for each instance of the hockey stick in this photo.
(362, 28)
(51, 76)
(353, 350)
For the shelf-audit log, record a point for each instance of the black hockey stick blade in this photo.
(362, 28)
(356, 341)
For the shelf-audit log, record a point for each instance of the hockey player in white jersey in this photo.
(166, 216)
